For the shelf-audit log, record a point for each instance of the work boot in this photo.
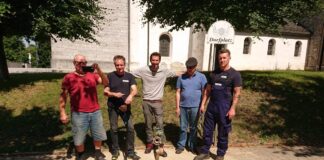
(149, 148)
(115, 155)
(133, 156)
(179, 150)
(202, 156)
(99, 155)
(80, 156)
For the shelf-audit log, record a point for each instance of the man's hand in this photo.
(123, 108)
(118, 94)
(202, 109)
(64, 118)
(95, 67)
(178, 111)
(129, 99)
(231, 113)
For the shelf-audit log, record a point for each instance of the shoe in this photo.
(83, 157)
(179, 150)
(115, 155)
(164, 154)
(80, 156)
(133, 156)
(202, 156)
(149, 148)
(99, 155)
(219, 158)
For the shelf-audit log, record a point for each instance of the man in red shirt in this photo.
(85, 110)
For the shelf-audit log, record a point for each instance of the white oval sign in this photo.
(221, 32)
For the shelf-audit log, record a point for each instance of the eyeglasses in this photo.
(80, 62)
(192, 67)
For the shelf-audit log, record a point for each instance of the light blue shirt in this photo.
(191, 89)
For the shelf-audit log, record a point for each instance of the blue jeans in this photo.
(188, 118)
(82, 121)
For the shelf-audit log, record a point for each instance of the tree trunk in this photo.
(4, 73)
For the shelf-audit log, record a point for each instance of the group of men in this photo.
(192, 92)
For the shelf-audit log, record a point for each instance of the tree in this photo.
(36, 19)
(14, 47)
(257, 16)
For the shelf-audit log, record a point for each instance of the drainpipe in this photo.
(129, 37)
(148, 43)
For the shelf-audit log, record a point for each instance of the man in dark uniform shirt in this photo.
(223, 88)
(121, 90)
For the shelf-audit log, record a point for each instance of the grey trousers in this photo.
(153, 111)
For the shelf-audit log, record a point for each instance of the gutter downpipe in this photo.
(129, 37)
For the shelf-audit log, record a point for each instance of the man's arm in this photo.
(108, 93)
(236, 95)
(102, 77)
(137, 73)
(129, 99)
(63, 96)
(178, 101)
(205, 97)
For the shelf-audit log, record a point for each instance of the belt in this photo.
(153, 101)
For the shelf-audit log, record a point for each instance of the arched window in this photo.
(247, 45)
(298, 46)
(271, 47)
(164, 45)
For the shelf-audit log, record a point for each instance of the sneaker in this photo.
(99, 155)
(164, 154)
(219, 158)
(80, 156)
(133, 156)
(115, 155)
(179, 150)
(149, 148)
(202, 156)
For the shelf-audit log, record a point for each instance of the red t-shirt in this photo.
(83, 91)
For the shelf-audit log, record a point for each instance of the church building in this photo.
(125, 33)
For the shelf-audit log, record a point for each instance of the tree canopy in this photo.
(257, 16)
(39, 19)
(14, 47)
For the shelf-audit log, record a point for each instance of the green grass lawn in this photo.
(276, 107)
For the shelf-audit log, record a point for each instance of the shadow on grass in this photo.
(293, 108)
(32, 131)
(17, 80)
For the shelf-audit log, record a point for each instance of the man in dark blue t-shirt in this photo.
(223, 88)
(121, 90)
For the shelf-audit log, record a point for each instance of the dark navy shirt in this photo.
(121, 84)
(191, 89)
(227, 80)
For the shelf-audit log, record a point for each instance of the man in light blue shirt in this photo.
(190, 87)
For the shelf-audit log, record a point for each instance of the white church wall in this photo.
(258, 59)
(113, 40)
(139, 46)
(283, 58)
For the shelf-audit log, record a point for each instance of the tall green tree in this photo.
(71, 19)
(257, 16)
(14, 47)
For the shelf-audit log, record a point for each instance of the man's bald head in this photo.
(79, 57)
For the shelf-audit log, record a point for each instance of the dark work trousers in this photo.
(114, 112)
(215, 114)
